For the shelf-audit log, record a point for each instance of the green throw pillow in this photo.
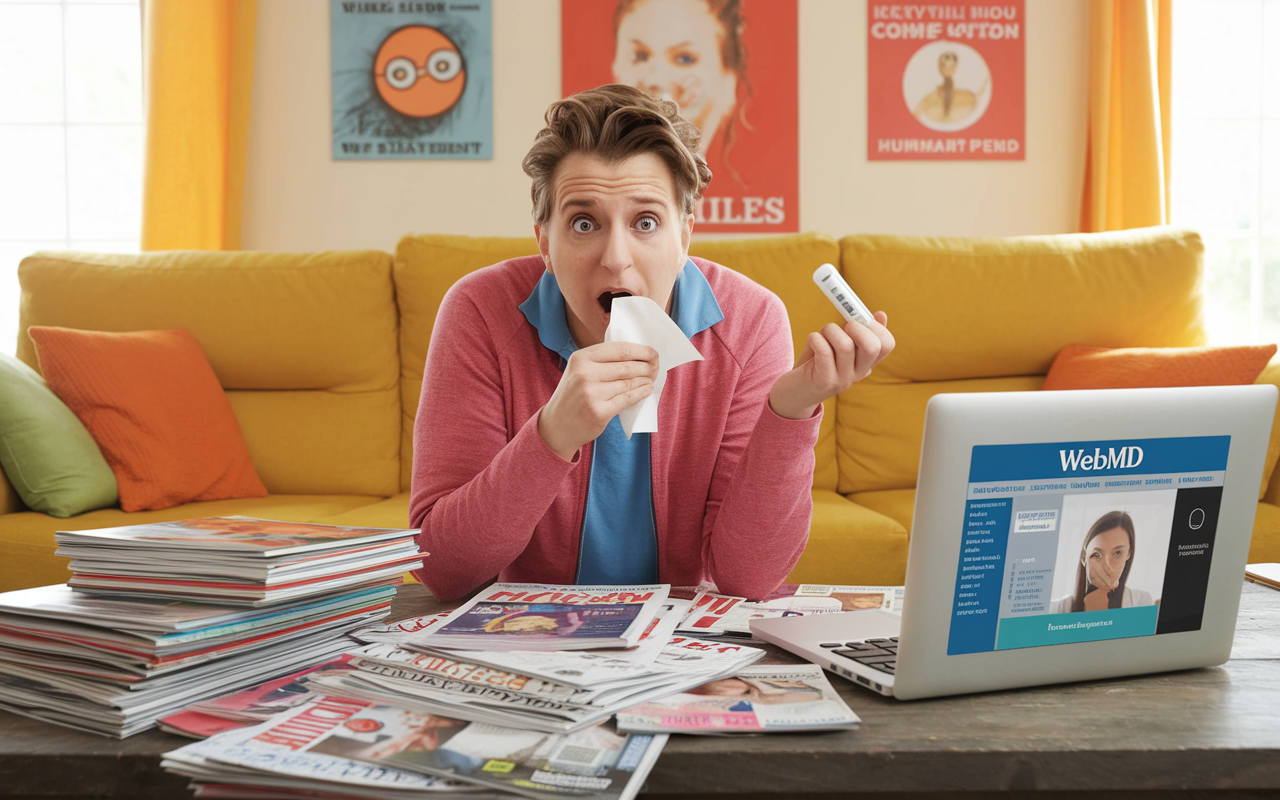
(47, 453)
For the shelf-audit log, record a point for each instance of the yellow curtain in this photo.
(1126, 182)
(198, 60)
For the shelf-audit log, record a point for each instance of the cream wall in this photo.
(298, 198)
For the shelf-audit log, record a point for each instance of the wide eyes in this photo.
(647, 224)
(582, 225)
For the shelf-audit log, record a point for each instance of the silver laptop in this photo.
(1061, 536)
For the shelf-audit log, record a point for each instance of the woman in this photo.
(1105, 560)
(690, 52)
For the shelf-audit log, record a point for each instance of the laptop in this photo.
(1061, 536)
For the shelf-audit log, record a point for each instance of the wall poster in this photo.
(412, 80)
(732, 69)
(946, 80)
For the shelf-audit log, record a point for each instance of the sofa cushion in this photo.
(851, 544)
(302, 342)
(427, 265)
(1082, 367)
(155, 408)
(1000, 309)
(48, 455)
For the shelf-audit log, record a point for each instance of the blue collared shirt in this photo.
(619, 542)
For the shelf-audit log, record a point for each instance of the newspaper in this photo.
(715, 614)
(755, 700)
(526, 616)
(320, 741)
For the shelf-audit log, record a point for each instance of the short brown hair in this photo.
(616, 122)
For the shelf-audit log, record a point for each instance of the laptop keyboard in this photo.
(881, 654)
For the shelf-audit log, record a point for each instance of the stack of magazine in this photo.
(113, 662)
(236, 560)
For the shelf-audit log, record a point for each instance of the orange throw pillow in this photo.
(1081, 367)
(156, 410)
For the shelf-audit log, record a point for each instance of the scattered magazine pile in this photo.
(113, 666)
(714, 614)
(530, 616)
(794, 697)
(236, 560)
(350, 748)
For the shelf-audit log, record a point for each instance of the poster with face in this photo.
(945, 80)
(412, 79)
(731, 67)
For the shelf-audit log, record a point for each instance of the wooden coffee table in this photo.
(1206, 733)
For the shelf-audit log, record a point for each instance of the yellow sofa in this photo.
(321, 355)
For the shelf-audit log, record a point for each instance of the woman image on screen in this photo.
(691, 52)
(1103, 572)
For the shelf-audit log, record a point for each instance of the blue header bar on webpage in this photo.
(1099, 459)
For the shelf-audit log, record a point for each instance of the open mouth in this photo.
(606, 299)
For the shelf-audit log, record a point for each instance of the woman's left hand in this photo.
(833, 359)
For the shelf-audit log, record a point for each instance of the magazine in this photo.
(157, 617)
(241, 593)
(264, 538)
(396, 632)
(436, 684)
(525, 616)
(277, 753)
(715, 614)
(322, 738)
(754, 700)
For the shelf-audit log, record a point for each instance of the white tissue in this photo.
(641, 321)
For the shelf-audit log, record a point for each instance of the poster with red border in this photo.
(735, 77)
(946, 81)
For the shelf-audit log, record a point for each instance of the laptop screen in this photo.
(1080, 541)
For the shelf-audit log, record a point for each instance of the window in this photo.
(71, 133)
(1226, 157)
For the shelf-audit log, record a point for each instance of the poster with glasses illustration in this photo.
(412, 80)
(731, 67)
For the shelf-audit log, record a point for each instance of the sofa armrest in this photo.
(1270, 475)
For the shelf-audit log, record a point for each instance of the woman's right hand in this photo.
(598, 382)
(1103, 580)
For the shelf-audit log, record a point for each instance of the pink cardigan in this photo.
(731, 479)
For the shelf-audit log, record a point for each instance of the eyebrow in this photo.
(639, 199)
